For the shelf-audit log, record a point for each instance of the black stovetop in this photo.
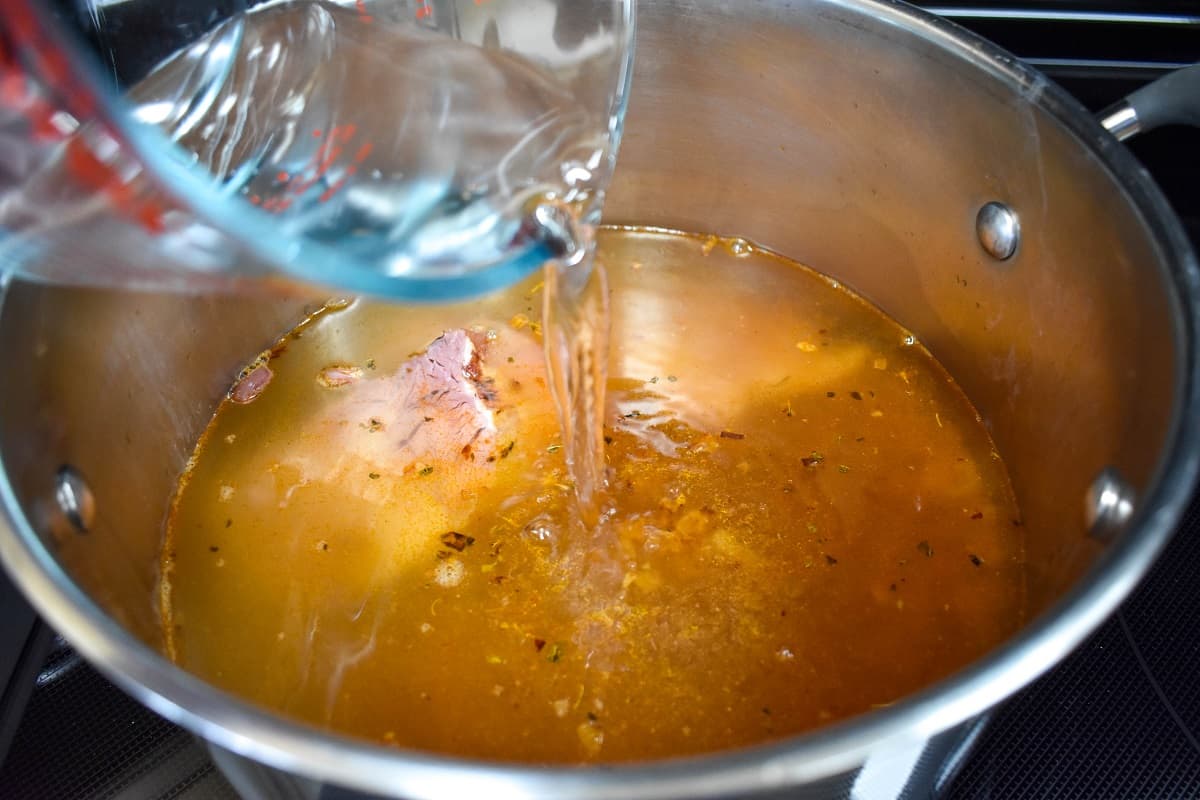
(1119, 718)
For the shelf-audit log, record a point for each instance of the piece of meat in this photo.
(446, 405)
(423, 444)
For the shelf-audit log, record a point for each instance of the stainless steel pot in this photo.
(860, 137)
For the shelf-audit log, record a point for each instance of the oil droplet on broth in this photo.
(813, 532)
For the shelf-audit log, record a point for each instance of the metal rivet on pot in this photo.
(998, 230)
(74, 498)
(1109, 504)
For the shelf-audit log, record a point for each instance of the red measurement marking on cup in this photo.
(332, 162)
(424, 9)
(24, 52)
(363, 14)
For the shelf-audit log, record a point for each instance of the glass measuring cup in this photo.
(418, 149)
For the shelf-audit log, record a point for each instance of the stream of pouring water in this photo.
(575, 326)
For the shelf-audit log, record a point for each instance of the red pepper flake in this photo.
(457, 541)
(508, 448)
(976, 560)
(538, 644)
(856, 395)
(732, 435)
(830, 560)
(977, 515)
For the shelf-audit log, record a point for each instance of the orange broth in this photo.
(805, 519)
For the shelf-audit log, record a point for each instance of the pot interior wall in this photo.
(865, 150)
(833, 136)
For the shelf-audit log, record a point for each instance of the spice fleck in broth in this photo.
(804, 520)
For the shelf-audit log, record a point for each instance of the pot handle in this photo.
(1173, 99)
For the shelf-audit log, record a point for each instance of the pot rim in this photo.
(294, 747)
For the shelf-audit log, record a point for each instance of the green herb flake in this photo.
(842, 468)
(554, 448)
(425, 471)
(556, 653)
(925, 548)
(370, 363)
(373, 476)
